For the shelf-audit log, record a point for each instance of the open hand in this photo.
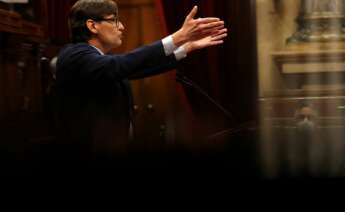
(195, 29)
(212, 40)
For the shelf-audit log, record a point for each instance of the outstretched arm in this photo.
(211, 40)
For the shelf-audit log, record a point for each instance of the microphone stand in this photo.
(185, 80)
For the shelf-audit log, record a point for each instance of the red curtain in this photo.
(188, 125)
(227, 72)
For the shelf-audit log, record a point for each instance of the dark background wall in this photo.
(227, 73)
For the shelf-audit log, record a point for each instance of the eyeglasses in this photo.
(114, 21)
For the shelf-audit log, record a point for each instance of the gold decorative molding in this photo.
(312, 61)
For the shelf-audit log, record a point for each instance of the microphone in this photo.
(180, 77)
(185, 80)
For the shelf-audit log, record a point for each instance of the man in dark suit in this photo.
(94, 96)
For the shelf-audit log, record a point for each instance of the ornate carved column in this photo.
(317, 49)
(320, 21)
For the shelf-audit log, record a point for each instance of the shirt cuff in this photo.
(180, 53)
(169, 46)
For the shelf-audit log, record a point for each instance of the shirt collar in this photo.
(98, 49)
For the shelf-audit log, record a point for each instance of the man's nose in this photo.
(121, 26)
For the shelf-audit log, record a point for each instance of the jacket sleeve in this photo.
(145, 61)
(169, 64)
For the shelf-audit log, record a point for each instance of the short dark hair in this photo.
(83, 10)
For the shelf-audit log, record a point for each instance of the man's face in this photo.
(305, 120)
(305, 113)
(110, 32)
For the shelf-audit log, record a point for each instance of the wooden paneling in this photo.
(21, 88)
(13, 23)
(152, 96)
(21, 45)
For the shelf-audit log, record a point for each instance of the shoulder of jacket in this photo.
(76, 46)
(72, 49)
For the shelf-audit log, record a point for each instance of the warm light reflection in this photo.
(301, 57)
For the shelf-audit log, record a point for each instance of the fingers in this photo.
(218, 24)
(192, 13)
(219, 37)
(211, 43)
(213, 30)
(213, 40)
(219, 32)
(207, 20)
(210, 29)
(215, 43)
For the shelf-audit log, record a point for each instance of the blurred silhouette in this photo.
(306, 149)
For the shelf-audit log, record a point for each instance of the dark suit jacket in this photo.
(94, 96)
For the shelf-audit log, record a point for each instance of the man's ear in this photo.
(91, 25)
